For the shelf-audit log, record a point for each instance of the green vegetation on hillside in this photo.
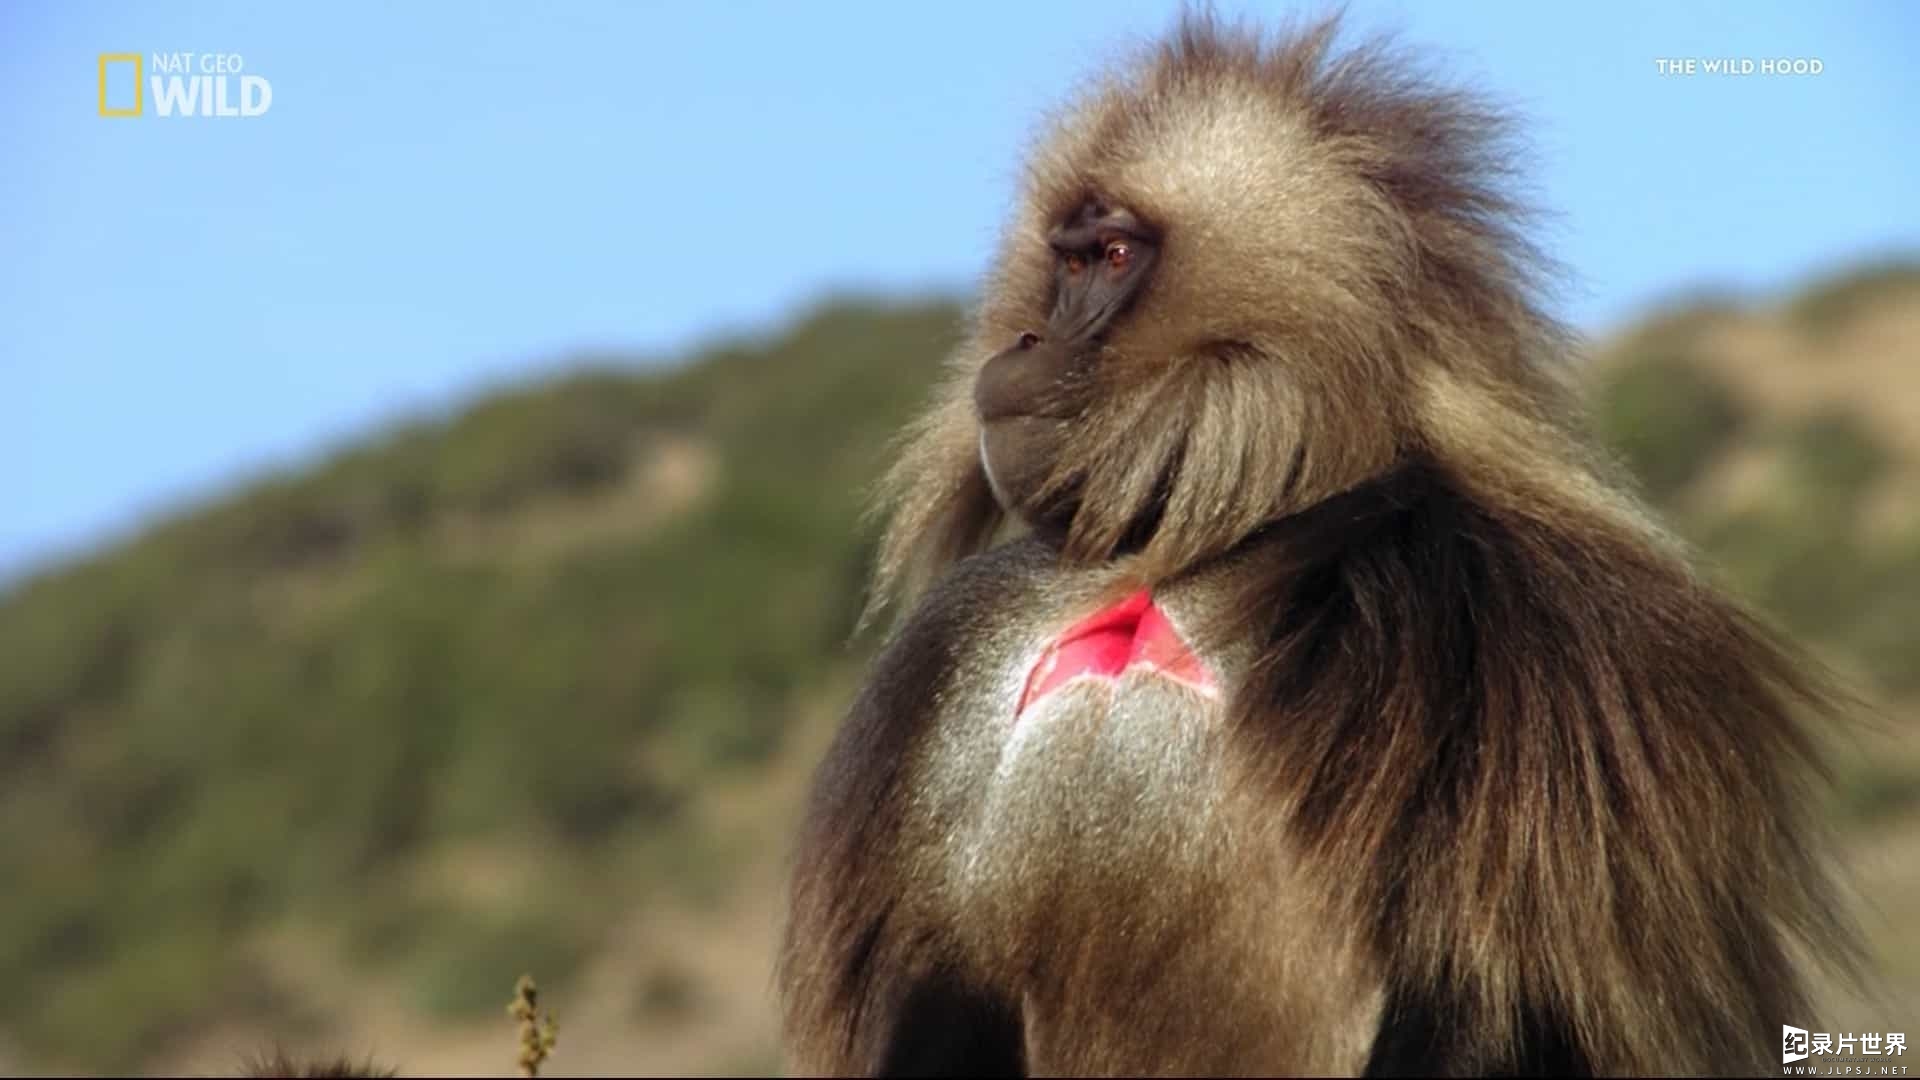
(1667, 418)
(276, 707)
(445, 698)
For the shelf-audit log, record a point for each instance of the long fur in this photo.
(1559, 777)
(1344, 266)
(1554, 773)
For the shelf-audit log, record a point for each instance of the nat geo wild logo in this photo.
(181, 84)
(1868, 1053)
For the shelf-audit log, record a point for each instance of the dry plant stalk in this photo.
(537, 1033)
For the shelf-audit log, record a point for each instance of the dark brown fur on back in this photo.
(1505, 784)
(1562, 780)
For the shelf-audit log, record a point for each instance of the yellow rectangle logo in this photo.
(121, 58)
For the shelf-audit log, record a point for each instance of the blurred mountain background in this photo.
(534, 686)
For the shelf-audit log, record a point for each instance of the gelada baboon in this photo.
(1340, 710)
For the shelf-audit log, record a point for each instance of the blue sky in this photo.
(446, 197)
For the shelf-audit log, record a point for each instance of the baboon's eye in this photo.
(1119, 256)
(1075, 264)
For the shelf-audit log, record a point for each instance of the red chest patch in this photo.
(1133, 634)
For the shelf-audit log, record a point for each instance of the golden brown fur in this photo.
(1358, 282)
(1538, 789)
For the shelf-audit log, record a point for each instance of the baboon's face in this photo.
(1215, 306)
(1102, 257)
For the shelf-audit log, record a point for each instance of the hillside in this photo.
(535, 686)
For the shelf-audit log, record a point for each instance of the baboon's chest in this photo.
(1091, 774)
(1102, 713)
(1127, 648)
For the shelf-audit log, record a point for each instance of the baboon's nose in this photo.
(1028, 339)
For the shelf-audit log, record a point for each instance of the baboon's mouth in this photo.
(1131, 635)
